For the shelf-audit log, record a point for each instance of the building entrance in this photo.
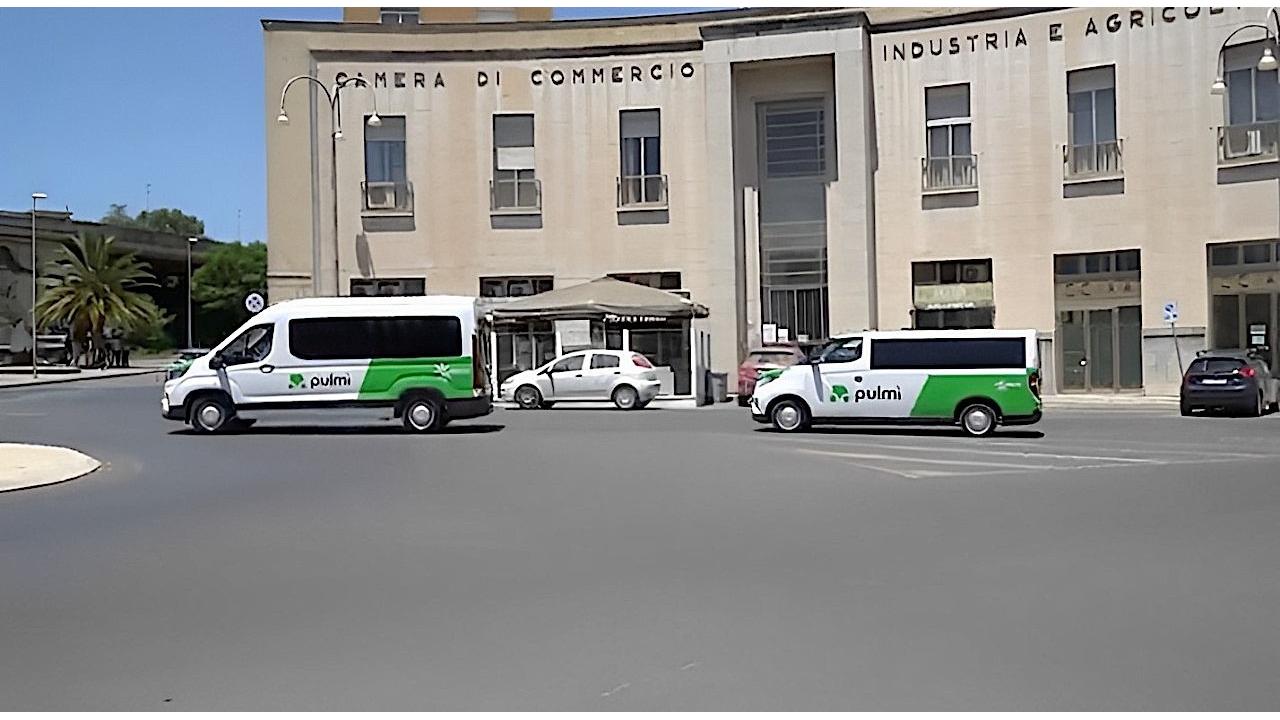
(1101, 349)
(1245, 281)
(1099, 329)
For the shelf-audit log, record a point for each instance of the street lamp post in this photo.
(35, 334)
(191, 241)
(334, 97)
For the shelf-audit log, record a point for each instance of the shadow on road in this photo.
(906, 431)
(348, 430)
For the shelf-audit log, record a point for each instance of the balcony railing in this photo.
(949, 173)
(516, 196)
(387, 198)
(642, 192)
(1253, 142)
(1093, 161)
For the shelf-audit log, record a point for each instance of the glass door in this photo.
(1101, 350)
(1101, 355)
(1072, 350)
(1129, 347)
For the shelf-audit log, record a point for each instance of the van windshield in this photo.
(841, 350)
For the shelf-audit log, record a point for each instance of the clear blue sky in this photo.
(100, 102)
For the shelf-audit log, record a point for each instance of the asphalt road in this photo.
(600, 560)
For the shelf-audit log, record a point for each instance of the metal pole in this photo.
(190, 344)
(35, 334)
(333, 177)
(1173, 328)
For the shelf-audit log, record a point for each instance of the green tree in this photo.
(88, 288)
(168, 220)
(171, 220)
(119, 216)
(228, 273)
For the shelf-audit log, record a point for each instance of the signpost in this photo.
(1171, 317)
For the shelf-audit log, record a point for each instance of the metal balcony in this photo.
(1095, 161)
(949, 173)
(642, 192)
(387, 198)
(1248, 143)
(518, 196)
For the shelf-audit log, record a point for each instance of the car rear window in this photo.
(1213, 366)
(640, 361)
(773, 358)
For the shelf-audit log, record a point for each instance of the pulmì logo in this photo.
(840, 393)
(298, 380)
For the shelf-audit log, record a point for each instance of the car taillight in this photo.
(1246, 371)
(1034, 381)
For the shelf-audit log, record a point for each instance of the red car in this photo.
(769, 357)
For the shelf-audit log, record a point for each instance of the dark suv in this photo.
(1230, 380)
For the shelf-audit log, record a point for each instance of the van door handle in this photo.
(578, 375)
(617, 372)
(267, 368)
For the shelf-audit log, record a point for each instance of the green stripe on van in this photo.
(389, 379)
(941, 393)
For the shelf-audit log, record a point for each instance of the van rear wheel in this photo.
(423, 415)
(978, 420)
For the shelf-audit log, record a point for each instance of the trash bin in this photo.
(719, 387)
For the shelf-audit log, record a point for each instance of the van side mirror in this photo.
(217, 362)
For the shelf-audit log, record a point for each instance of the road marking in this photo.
(930, 461)
(1013, 453)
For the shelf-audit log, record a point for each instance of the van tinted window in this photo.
(948, 354)
(380, 337)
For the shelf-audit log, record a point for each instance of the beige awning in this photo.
(603, 297)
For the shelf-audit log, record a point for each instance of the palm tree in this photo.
(88, 289)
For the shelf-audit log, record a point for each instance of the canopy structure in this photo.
(616, 300)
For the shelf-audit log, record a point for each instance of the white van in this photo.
(974, 378)
(423, 356)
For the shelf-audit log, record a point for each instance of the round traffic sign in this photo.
(253, 302)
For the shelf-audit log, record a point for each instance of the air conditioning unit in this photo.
(380, 195)
(970, 273)
(1254, 141)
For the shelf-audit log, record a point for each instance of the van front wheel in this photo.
(789, 416)
(211, 414)
(978, 420)
(423, 415)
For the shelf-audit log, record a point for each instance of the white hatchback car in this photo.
(626, 378)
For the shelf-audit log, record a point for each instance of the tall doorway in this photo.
(1099, 329)
(1245, 281)
(1101, 349)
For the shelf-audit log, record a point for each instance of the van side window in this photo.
(948, 354)
(356, 338)
(253, 345)
(848, 351)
